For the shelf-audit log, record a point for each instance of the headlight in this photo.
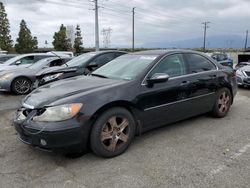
(59, 113)
(6, 76)
(52, 77)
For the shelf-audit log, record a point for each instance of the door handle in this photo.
(184, 83)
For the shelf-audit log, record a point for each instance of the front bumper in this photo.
(244, 81)
(54, 136)
(5, 85)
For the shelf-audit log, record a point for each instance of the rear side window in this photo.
(198, 63)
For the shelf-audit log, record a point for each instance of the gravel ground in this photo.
(199, 152)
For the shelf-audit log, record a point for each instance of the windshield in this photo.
(12, 60)
(40, 64)
(81, 60)
(126, 67)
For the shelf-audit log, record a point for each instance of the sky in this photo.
(155, 20)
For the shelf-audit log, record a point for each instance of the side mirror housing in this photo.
(92, 65)
(18, 63)
(158, 78)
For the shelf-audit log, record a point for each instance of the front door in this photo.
(164, 102)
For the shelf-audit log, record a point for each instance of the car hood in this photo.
(245, 68)
(50, 93)
(56, 69)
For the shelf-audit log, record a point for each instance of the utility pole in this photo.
(205, 35)
(246, 40)
(133, 29)
(96, 26)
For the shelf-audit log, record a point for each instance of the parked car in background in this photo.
(127, 96)
(20, 80)
(80, 65)
(6, 57)
(243, 76)
(24, 60)
(243, 60)
(223, 59)
(62, 53)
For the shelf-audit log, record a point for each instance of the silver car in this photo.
(20, 80)
(243, 76)
(24, 60)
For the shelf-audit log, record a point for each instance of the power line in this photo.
(106, 37)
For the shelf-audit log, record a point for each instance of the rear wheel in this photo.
(223, 103)
(21, 86)
(112, 132)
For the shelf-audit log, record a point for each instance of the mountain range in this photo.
(217, 41)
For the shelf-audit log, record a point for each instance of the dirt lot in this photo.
(199, 152)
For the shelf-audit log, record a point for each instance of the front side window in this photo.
(173, 65)
(198, 63)
(103, 59)
(27, 60)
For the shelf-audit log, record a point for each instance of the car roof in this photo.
(164, 52)
(107, 51)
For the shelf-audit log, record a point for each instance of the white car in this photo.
(243, 76)
(23, 61)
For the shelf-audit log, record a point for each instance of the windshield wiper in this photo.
(99, 75)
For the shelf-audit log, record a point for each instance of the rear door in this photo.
(202, 83)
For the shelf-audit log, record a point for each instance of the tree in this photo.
(61, 42)
(78, 40)
(5, 37)
(25, 42)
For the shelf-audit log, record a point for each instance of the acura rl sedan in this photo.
(126, 97)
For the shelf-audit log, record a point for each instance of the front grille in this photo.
(247, 73)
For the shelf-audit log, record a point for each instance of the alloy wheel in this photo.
(224, 102)
(115, 133)
(22, 86)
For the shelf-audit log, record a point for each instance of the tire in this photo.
(223, 103)
(21, 86)
(112, 132)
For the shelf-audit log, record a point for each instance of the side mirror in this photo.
(18, 63)
(92, 65)
(158, 78)
(45, 67)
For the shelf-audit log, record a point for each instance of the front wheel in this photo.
(112, 132)
(223, 103)
(21, 86)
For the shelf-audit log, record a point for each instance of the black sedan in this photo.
(81, 65)
(131, 94)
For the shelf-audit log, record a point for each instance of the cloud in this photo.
(159, 20)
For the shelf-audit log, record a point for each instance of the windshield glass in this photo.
(126, 67)
(40, 64)
(12, 60)
(81, 60)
